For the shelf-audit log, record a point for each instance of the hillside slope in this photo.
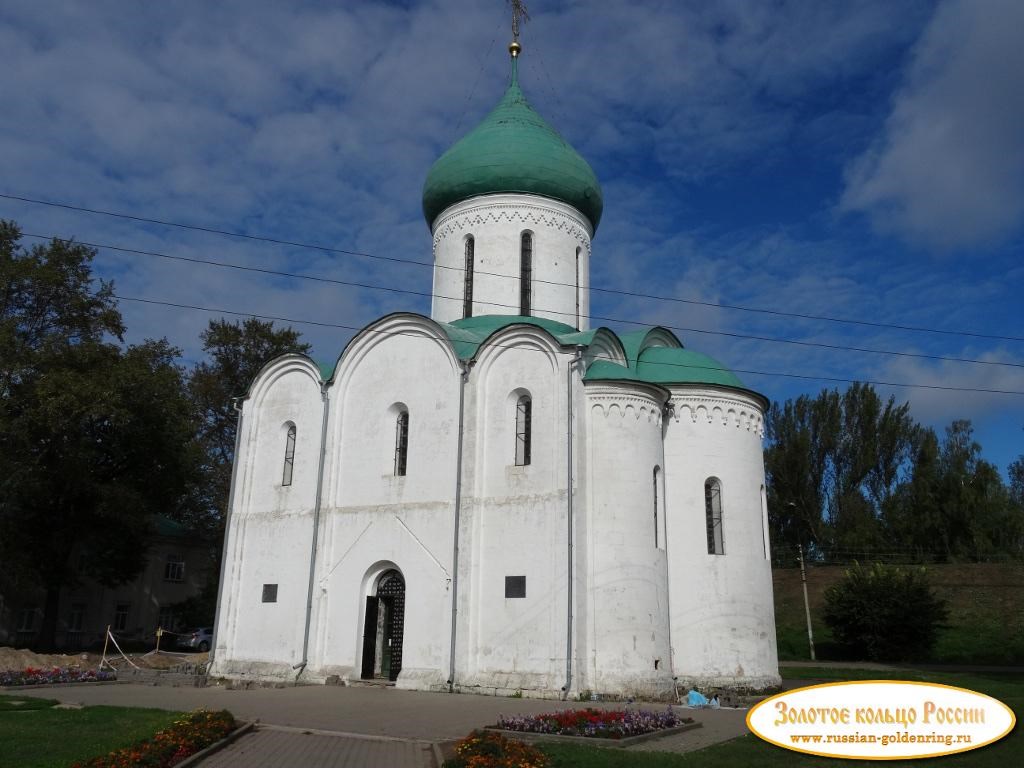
(986, 612)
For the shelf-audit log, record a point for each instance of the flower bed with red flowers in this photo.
(594, 723)
(492, 750)
(37, 676)
(192, 733)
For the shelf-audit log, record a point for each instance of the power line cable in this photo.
(615, 291)
(480, 70)
(426, 294)
(673, 365)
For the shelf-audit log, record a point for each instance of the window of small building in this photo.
(401, 443)
(289, 456)
(165, 618)
(515, 586)
(713, 516)
(524, 428)
(27, 619)
(174, 568)
(121, 611)
(525, 273)
(270, 593)
(467, 278)
(76, 617)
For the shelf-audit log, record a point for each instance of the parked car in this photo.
(198, 639)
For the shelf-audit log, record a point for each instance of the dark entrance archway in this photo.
(383, 627)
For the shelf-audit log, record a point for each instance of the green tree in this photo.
(48, 300)
(91, 434)
(834, 464)
(978, 518)
(884, 613)
(913, 520)
(236, 352)
(1016, 472)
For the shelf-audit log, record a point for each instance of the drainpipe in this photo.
(227, 528)
(463, 377)
(301, 666)
(569, 497)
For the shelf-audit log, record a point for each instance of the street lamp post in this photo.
(803, 582)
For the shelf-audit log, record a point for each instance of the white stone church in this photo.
(498, 497)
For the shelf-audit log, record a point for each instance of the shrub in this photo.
(884, 613)
(491, 750)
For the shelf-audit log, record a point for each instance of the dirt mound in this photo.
(17, 659)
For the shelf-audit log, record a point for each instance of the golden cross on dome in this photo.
(519, 13)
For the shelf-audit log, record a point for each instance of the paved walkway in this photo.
(362, 726)
(269, 747)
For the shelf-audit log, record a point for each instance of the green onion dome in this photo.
(512, 150)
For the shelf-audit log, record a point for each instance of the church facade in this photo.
(499, 498)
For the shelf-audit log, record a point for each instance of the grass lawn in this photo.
(56, 738)
(24, 703)
(752, 751)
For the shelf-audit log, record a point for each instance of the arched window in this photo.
(764, 522)
(467, 279)
(524, 408)
(578, 249)
(401, 443)
(525, 273)
(289, 456)
(657, 471)
(713, 514)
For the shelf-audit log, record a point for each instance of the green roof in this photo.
(653, 365)
(326, 369)
(605, 370)
(660, 365)
(164, 526)
(468, 334)
(674, 365)
(512, 150)
(633, 342)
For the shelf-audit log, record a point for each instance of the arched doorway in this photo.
(382, 628)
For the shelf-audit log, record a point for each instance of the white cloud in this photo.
(317, 122)
(939, 407)
(948, 170)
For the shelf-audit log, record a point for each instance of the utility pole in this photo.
(807, 605)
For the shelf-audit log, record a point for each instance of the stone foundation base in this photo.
(746, 684)
(257, 671)
(424, 679)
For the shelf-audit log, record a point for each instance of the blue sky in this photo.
(860, 160)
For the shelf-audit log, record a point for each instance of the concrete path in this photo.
(366, 724)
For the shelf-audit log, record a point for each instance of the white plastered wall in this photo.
(271, 525)
(514, 520)
(373, 520)
(561, 247)
(723, 617)
(626, 613)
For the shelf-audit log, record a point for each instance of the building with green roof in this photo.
(501, 498)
